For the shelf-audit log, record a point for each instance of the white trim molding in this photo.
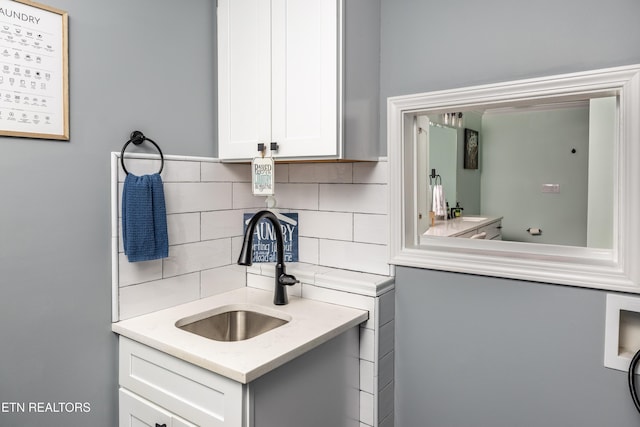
(613, 269)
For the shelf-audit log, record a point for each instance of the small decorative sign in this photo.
(264, 238)
(262, 176)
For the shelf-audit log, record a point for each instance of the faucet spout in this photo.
(282, 279)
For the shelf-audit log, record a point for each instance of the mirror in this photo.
(554, 191)
(546, 167)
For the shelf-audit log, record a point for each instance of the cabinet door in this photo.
(138, 412)
(244, 77)
(305, 77)
(190, 392)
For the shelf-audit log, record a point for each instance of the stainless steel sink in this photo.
(231, 325)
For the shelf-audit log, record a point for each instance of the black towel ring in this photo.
(138, 138)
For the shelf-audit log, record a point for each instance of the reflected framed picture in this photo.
(471, 145)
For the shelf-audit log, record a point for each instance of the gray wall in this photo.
(521, 151)
(474, 351)
(147, 65)
(487, 352)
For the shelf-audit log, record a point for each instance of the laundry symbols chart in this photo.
(33, 70)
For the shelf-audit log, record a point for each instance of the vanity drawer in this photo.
(136, 411)
(493, 230)
(197, 395)
(468, 234)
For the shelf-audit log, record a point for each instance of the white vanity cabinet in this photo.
(467, 227)
(317, 389)
(299, 73)
(489, 230)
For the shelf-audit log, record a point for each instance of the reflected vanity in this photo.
(541, 166)
(556, 171)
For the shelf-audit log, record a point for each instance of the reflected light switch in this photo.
(550, 188)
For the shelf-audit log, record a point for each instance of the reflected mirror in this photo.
(537, 173)
(540, 177)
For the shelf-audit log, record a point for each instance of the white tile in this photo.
(222, 279)
(370, 173)
(243, 198)
(130, 273)
(197, 196)
(260, 282)
(326, 225)
(180, 171)
(225, 172)
(385, 339)
(153, 296)
(367, 376)
(366, 408)
(306, 273)
(220, 224)
(386, 308)
(281, 172)
(354, 256)
(369, 228)
(236, 247)
(385, 370)
(367, 344)
(321, 172)
(355, 282)
(342, 298)
(308, 250)
(256, 268)
(172, 171)
(388, 421)
(297, 196)
(268, 284)
(197, 256)
(138, 167)
(385, 401)
(183, 228)
(362, 198)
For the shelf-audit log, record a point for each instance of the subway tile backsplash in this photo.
(342, 210)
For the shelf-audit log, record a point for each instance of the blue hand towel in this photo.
(144, 218)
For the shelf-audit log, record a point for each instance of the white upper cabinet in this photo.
(283, 78)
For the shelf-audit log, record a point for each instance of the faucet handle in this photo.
(287, 279)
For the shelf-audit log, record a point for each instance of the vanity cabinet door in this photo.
(138, 412)
(278, 78)
(493, 230)
(178, 387)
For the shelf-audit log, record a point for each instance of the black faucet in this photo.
(282, 278)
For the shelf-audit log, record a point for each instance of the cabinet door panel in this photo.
(181, 388)
(138, 412)
(244, 77)
(305, 77)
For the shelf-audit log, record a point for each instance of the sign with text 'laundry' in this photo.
(264, 238)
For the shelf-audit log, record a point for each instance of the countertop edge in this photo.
(276, 363)
(150, 330)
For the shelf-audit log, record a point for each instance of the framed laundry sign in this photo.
(34, 76)
(264, 238)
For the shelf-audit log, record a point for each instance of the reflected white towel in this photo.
(439, 205)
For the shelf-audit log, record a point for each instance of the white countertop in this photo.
(457, 226)
(312, 323)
